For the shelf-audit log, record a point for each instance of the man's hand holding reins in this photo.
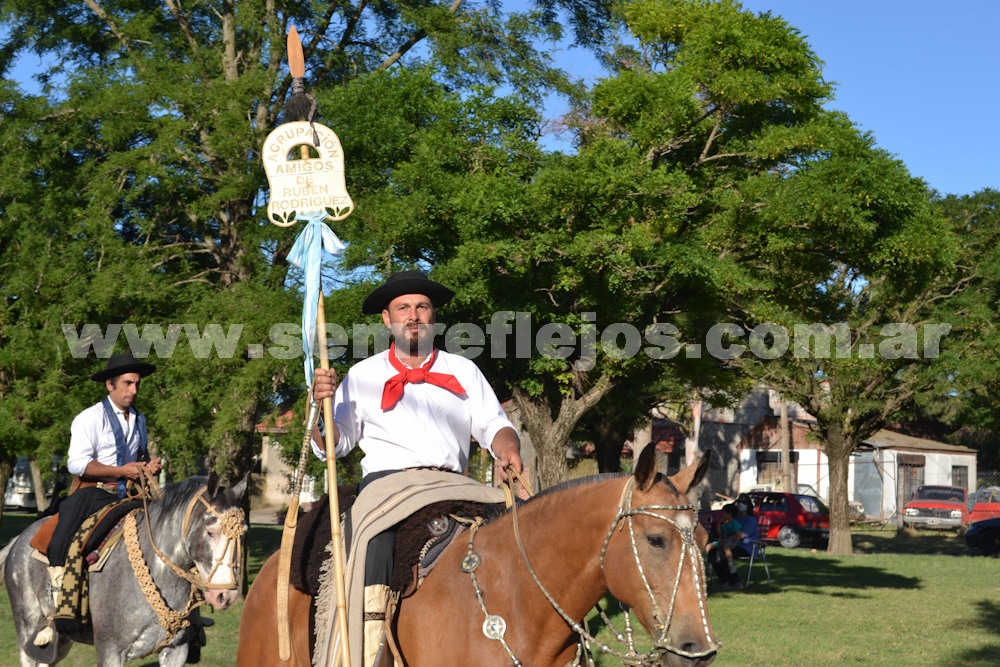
(507, 451)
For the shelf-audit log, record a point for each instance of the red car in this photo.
(790, 518)
(937, 506)
(785, 518)
(984, 504)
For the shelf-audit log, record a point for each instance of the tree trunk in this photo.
(551, 436)
(609, 438)
(838, 453)
(6, 470)
(41, 499)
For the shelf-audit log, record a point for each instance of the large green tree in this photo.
(131, 188)
(708, 113)
(899, 315)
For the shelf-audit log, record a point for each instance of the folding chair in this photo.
(759, 553)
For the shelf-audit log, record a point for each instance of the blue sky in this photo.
(922, 76)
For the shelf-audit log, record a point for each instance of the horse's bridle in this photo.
(172, 621)
(494, 626)
(690, 553)
(232, 523)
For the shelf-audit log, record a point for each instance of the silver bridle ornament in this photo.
(689, 553)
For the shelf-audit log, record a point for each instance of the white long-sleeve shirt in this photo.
(92, 438)
(429, 426)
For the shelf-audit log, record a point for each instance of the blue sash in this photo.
(121, 446)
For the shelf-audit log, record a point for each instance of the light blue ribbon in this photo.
(307, 254)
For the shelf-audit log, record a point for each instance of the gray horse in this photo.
(195, 523)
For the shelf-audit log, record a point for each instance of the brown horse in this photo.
(541, 570)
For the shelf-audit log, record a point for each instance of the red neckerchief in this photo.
(393, 390)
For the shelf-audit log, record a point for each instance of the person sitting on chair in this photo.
(411, 406)
(729, 536)
(745, 545)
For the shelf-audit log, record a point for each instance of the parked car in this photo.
(985, 536)
(792, 518)
(785, 518)
(937, 506)
(20, 493)
(855, 507)
(983, 504)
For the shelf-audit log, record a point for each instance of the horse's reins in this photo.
(494, 626)
(232, 526)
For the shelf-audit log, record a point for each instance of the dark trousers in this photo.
(719, 562)
(72, 511)
(379, 557)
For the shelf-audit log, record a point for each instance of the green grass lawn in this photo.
(917, 599)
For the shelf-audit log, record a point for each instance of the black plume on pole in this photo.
(300, 106)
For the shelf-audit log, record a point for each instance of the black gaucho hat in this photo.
(120, 364)
(405, 282)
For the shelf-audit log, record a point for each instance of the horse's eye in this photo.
(656, 541)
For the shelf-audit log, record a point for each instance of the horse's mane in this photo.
(176, 496)
(493, 513)
(580, 481)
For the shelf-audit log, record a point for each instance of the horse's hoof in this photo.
(44, 647)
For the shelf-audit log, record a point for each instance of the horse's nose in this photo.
(676, 660)
(220, 599)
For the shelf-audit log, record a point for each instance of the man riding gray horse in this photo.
(107, 447)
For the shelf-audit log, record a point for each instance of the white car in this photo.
(20, 493)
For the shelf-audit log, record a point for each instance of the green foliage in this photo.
(132, 189)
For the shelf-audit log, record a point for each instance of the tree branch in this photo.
(413, 41)
(182, 21)
(112, 26)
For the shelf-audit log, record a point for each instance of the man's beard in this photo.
(417, 343)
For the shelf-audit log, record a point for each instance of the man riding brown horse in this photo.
(411, 406)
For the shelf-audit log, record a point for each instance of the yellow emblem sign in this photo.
(304, 177)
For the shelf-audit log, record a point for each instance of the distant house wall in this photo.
(277, 487)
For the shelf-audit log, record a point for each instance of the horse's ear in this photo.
(213, 484)
(645, 468)
(240, 488)
(691, 476)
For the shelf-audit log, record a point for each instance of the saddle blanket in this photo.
(381, 505)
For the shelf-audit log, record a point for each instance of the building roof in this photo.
(884, 438)
(276, 422)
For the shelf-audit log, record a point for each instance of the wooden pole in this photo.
(331, 472)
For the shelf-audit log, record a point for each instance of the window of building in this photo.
(960, 476)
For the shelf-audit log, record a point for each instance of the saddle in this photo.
(385, 504)
(94, 539)
(420, 540)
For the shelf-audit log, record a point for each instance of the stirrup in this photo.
(46, 653)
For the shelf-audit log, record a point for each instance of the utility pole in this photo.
(786, 454)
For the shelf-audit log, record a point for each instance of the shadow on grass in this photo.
(824, 576)
(987, 620)
(909, 541)
(13, 524)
